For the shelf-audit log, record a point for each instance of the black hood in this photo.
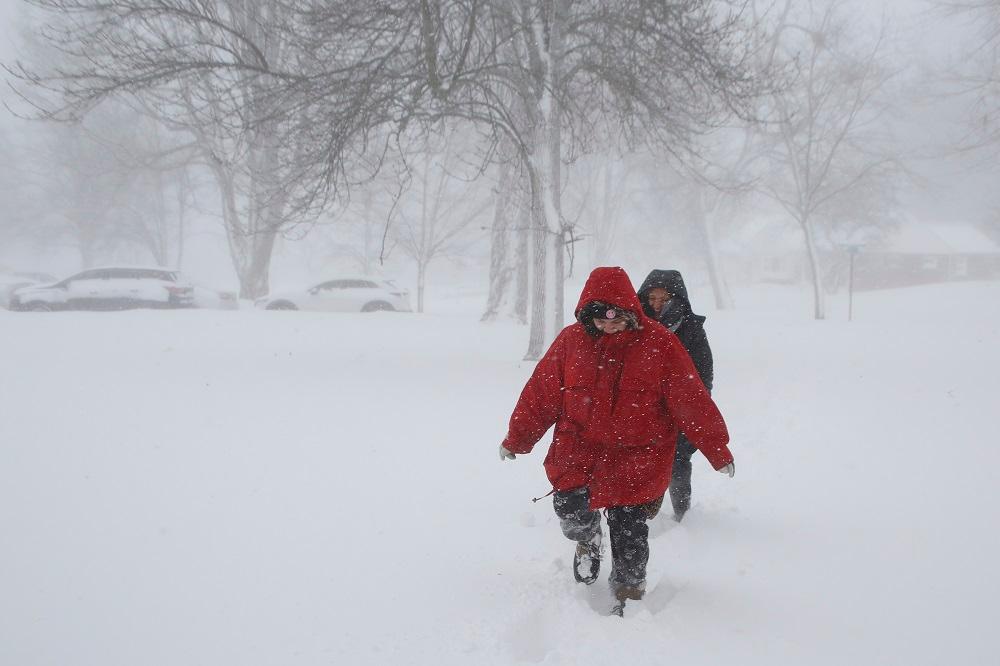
(669, 280)
(678, 317)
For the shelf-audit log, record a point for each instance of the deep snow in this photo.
(290, 488)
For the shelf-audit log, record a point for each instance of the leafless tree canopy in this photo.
(292, 102)
(340, 76)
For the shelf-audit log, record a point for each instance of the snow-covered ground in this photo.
(243, 488)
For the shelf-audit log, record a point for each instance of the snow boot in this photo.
(587, 559)
(634, 592)
(623, 593)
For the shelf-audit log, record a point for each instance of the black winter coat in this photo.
(692, 328)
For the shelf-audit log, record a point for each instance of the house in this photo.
(926, 253)
(772, 250)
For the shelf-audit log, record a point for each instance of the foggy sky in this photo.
(921, 40)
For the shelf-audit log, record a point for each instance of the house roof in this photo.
(958, 238)
(770, 236)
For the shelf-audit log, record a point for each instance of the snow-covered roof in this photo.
(959, 238)
(131, 267)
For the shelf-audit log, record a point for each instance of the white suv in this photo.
(110, 288)
(363, 294)
(11, 282)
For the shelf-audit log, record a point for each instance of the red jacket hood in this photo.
(610, 284)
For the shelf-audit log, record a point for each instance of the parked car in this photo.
(363, 294)
(111, 288)
(12, 281)
(213, 299)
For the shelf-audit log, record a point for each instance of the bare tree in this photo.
(978, 77)
(543, 74)
(82, 189)
(202, 68)
(156, 169)
(827, 142)
(302, 98)
(441, 206)
(508, 276)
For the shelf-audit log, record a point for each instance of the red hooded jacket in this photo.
(617, 402)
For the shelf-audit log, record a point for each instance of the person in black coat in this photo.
(665, 298)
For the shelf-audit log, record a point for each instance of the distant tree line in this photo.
(293, 107)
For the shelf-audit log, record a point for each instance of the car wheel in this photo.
(281, 305)
(38, 306)
(377, 306)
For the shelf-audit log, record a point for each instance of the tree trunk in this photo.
(250, 251)
(819, 296)
(553, 129)
(720, 288)
(723, 299)
(548, 269)
(539, 237)
(255, 275)
(501, 271)
(522, 282)
(369, 229)
(421, 283)
(555, 221)
(251, 234)
(182, 187)
(162, 252)
(544, 162)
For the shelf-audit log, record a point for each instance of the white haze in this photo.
(941, 187)
(252, 487)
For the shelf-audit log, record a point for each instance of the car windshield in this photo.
(165, 276)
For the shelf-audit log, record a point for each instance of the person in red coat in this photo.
(617, 386)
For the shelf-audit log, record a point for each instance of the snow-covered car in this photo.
(9, 282)
(362, 294)
(110, 288)
(213, 299)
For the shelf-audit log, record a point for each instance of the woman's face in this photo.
(658, 298)
(609, 326)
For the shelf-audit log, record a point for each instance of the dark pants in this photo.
(680, 478)
(627, 525)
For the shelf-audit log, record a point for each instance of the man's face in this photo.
(658, 298)
(609, 326)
